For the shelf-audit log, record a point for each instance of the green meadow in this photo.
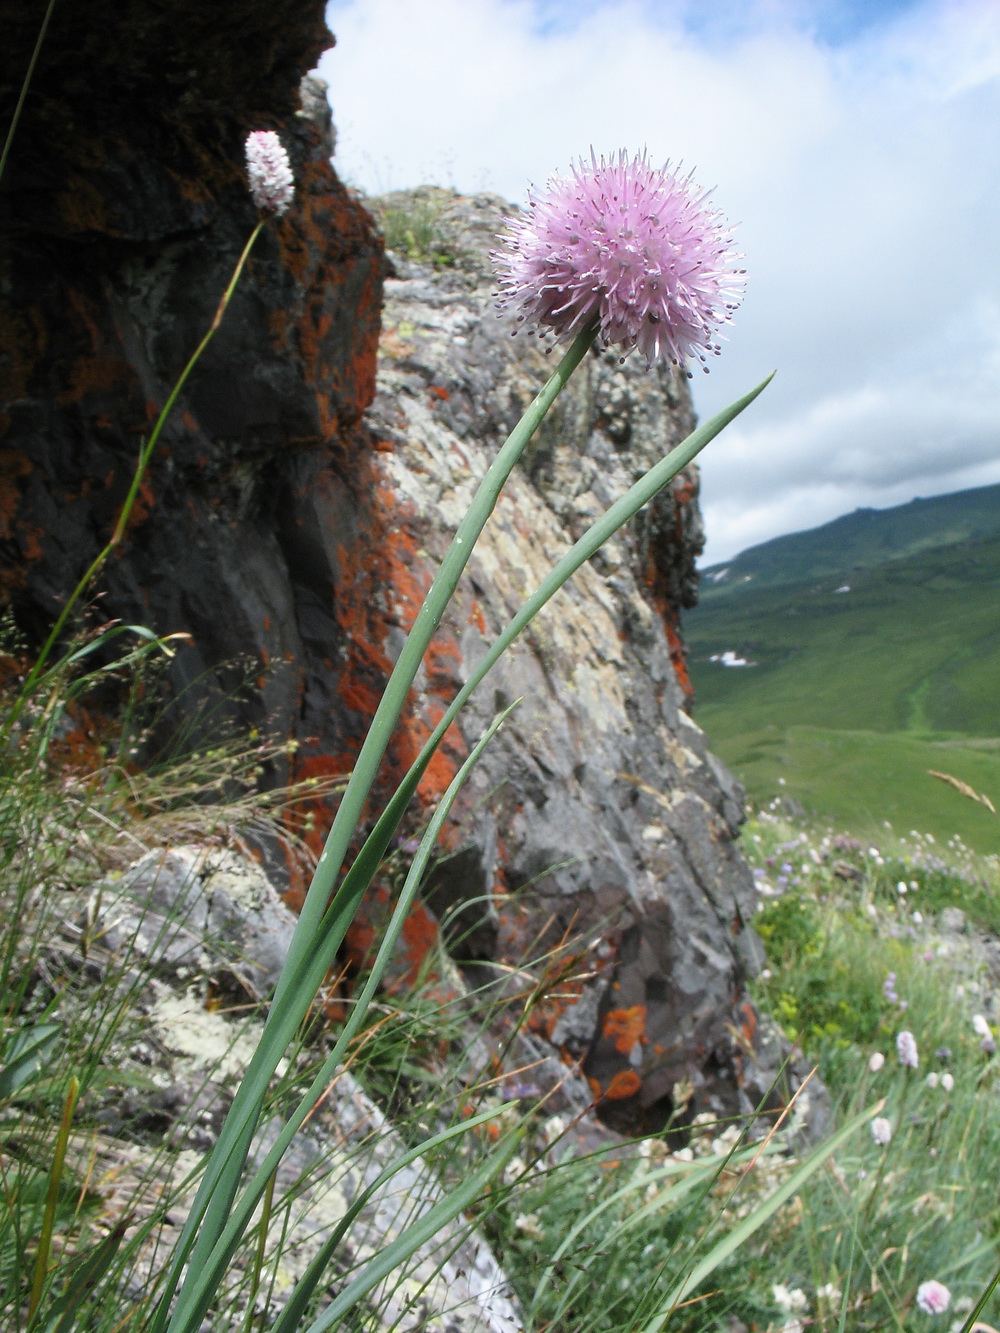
(862, 678)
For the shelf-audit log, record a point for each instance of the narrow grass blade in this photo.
(419, 1234)
(732, 1241)
(984, 1300)
(82, 1277)
(52, 1198)
(692, 1175)
(291, 1316)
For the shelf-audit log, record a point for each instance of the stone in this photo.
(294, 515)
(193, 909)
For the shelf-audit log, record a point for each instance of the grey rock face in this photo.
(193, 908)
(598, 813)
(186, 917)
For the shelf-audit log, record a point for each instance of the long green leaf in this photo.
(196, 1295)
(319, 933)
(732, 1241)
(311, 951)
(26, 1052)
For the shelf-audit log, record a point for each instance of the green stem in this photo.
(292, 998)
(24, 87)
(121, 527)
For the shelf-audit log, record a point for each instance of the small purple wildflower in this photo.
(906, 1049)
(269, 172)
(889, 988)
(636, 247)
(933, 1297)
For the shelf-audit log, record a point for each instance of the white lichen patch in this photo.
(205, 1040)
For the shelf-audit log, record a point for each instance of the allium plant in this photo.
(635, 247)
(661, 278)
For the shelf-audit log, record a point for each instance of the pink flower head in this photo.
(933, 1297)
(270, 172)
(637, 247)
(906, 1049)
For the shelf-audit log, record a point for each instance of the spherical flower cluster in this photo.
(906, 1049)
(881, 1130)
(933, 1297)
(635, 247)
(875, 1061)
(269, 172)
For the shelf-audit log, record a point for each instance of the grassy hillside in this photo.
(862, 540)
(859, 686)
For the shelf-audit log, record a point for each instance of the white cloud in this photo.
(864, 174)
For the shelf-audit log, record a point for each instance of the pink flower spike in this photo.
(881, 1131)
(634, 246)
(933, 1297)
(269, 172)
(906, 1049)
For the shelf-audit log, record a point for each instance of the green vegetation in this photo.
(412, 224)
(862, 540)
(861, 681)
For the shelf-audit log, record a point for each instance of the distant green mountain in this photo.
(849, 673)
(862, 540)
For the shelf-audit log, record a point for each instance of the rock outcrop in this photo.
(280, 523)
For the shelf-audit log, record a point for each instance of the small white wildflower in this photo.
(829, 1291)
(269, 172)
(881, 1131)
(982, 1028)
(932, 1080)
(875, 1061)
(964, 1304)
(918, 918)
(906, 1049)
(901, 887)
(793, 1298)
(933, 1297)
(947, 1082)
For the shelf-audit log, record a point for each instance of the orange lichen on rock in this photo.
(626, 1083)
(625, 1027)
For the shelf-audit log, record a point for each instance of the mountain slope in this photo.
(864, 539)
(858, 682)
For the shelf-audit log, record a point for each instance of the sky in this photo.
(856, 145)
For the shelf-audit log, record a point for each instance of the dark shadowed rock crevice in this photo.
(306, 488)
